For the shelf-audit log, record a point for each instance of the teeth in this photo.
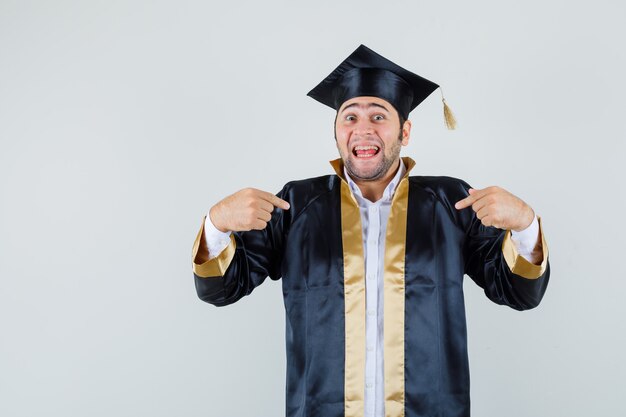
(362, 148)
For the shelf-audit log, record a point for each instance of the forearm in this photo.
(506, 276)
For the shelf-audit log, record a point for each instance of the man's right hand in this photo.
(247, 209)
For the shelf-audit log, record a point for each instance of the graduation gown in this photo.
(316, 248)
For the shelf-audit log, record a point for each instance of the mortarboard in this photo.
(366, 73)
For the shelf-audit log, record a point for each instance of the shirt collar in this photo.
(389, 190)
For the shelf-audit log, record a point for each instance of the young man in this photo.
(372, 260)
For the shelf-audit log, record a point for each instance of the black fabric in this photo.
(303, 245)
(366, 73)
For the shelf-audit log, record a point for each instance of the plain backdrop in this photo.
(122, 122)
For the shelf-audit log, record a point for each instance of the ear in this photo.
(406, 132)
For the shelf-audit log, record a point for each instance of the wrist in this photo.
(214, 218)
(527, 219)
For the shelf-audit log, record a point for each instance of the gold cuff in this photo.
(518, 264)
(215, 267)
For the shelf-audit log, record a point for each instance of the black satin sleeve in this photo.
(255, 255)
(486, 265)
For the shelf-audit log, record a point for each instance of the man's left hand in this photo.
(497, 207)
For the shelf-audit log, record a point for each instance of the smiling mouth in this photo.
(364, 152)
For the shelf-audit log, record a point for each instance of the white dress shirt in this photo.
(374, 216)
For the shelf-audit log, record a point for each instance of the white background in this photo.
(121, 123)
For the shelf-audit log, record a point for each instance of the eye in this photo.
(350, 117)
(378, 117)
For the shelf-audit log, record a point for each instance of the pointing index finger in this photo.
(275, 200)
(467, 201)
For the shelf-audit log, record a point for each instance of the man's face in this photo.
(369, 136)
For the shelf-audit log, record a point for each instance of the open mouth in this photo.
(364, 152)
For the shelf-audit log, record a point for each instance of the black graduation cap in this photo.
(366, 73)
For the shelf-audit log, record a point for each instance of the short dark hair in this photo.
(402, 120)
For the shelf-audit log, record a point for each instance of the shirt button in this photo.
(368, 385)
(370, 277)
(370, 348)
(370, 312)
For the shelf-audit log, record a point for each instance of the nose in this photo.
(363, 127)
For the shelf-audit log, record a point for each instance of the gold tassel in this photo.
(448, 116)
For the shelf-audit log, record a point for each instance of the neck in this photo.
(373, 189)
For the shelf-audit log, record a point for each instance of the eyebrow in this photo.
(367, 105)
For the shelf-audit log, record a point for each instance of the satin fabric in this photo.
(304, 247)
(367, 73)
(374, 82)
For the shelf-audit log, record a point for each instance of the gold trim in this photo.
(215, 267)
(354, 298)
(394, 298)
(394, 293)
(337, 165)
(518, 264)
(409, 164)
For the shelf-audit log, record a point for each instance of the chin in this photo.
(371, 173)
